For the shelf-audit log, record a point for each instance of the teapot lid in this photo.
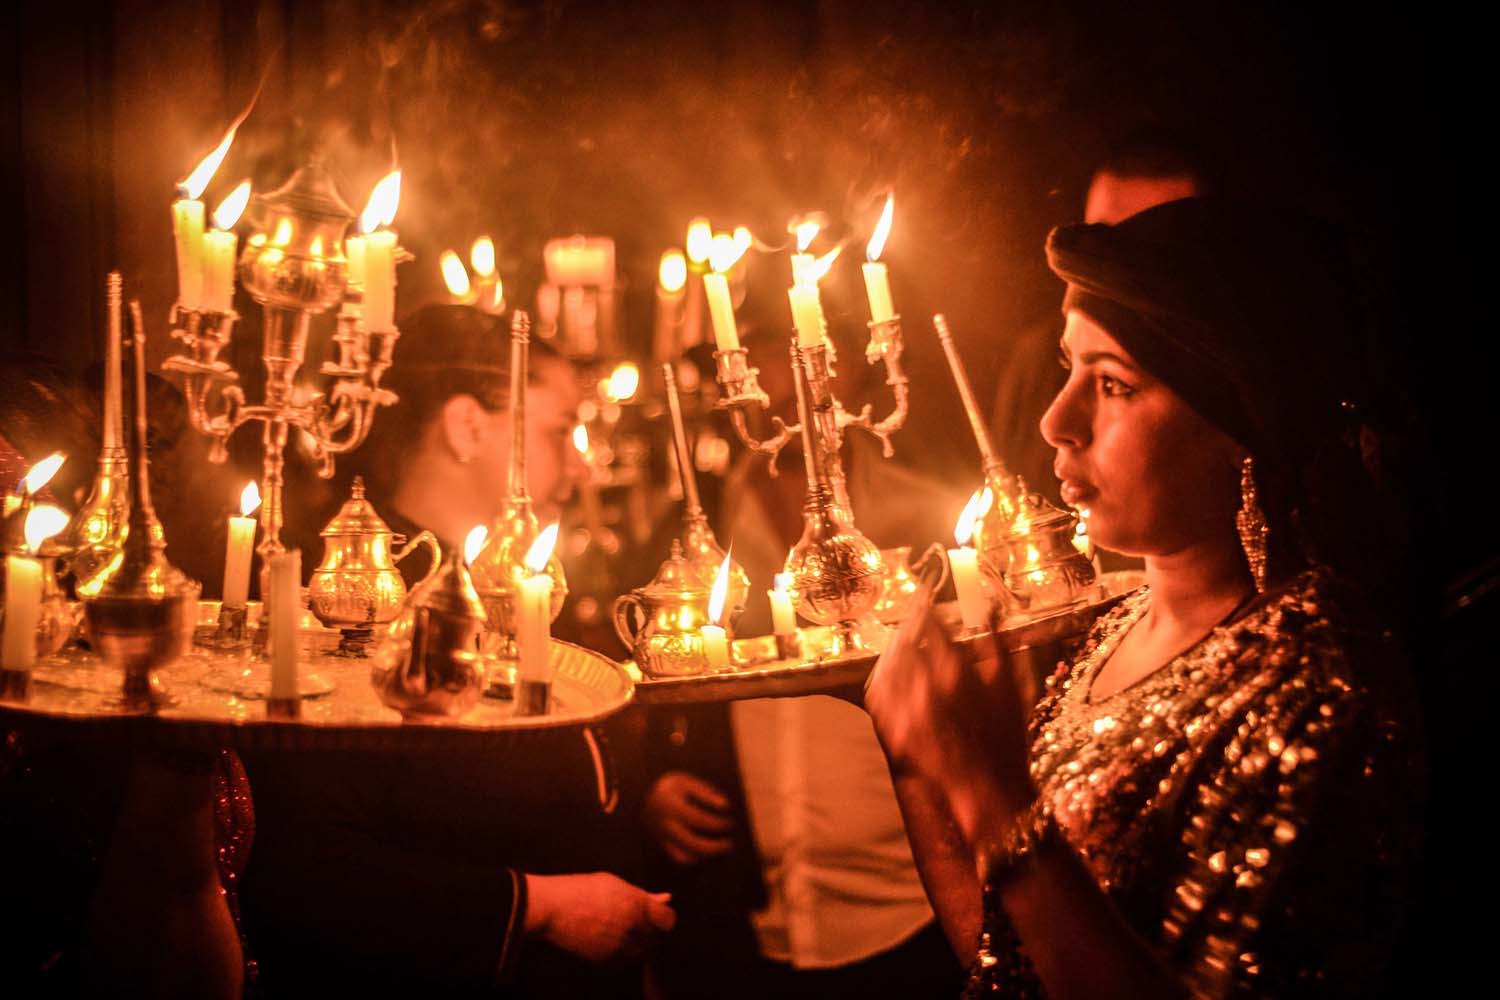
(676, 577)
(1035, 513)
(357, 516)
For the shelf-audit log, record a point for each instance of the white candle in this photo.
(716, 647)
(801, 269)
(533, 628)
(187, 228)
(219, 247)
(878, 289)
(23, 608)
(285, 608)
(783, 618)
(721, 311)
(354, 253)
(973, 605)
(380, 281)
(237, 561)
(807, 315)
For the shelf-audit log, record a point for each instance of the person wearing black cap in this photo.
(1216, 796)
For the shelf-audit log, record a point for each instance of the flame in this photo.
(497, 299)
(41, 473)
(315, 248)
(818, 269)
(482, 256)
(963, 530)
(806, 233)
(743, 239)
(672, 273)
(699, 235)
(229, 210)
(454, 274)
(193, 184)
(42, 522)
(782, 581)
(541, 549)
(724, 252)
(283, 234)
(474, 542)
(622, 382)
(720, 593)
(581, 439)
(249, 499)
(380, 210)
(882, 230)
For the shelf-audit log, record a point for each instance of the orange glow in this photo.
(724, 253)
(743, 239)
(622, 382)
(963, 530)
(41, 473)
(194, 183)
(882, 230)
(699, 235)
(806, 233)
(454, 274)
(42, 523)
(474, 542)
(581, 439)
(818, 269)
(482, 256)
(720, 593)
(541, 549)
(380, 210)
(230, 209)
(672, 272)
(249, 499)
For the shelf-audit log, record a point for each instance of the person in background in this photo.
(368, 870)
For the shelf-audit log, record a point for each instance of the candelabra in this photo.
(294, 267)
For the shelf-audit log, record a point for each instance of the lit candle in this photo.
(802, 261)
(379, 251)
(877, 282)
(534, 611)
(455, 275)
(807, 302)
(219, 246)
(238, 550)
(963, 562)
(23, 609)
(783, 618)
(187, 223)
(580, 260)
(354, 255)
(723, 253)
(695, 246)
(671, 283)
(285, 608)
(715, 639)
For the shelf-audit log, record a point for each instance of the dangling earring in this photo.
(1251, 521)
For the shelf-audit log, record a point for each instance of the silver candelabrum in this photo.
(294, 266)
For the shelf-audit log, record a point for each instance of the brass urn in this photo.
(1029, 556)
(357, 586)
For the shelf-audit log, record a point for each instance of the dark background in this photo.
(529, 120)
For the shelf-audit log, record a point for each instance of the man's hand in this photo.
(688, 818)
(597, 916)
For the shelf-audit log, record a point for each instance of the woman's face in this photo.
(1154, 476)
(553, 465)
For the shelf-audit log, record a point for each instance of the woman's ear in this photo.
(461, 427)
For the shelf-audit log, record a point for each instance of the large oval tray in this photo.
(77, 693)
(762, 675)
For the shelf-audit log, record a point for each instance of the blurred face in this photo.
(553, 465)
(1154, 475)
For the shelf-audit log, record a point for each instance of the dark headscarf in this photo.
(1246, 314)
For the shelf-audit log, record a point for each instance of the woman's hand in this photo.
(954, 715)
(598, 917)
(688, 818)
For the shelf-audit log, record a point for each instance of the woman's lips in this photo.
(1077, 492)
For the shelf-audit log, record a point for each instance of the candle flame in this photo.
(622, 382)
(454, 274)
(782, 582)
(818, 269)
(474, 542)
(743, 239)
(724, 252)
(497, 298)
(482, 256)
(882, 230)
(283, 234)
(380, 210)
(541, 549)
(249, 499)
(720, 593)
(42, 522)
(41, 473)
(194, 183)
(699, 235)
(963, 530)
(230, 209)
(806, 233)
(672, 273)
(581, 439)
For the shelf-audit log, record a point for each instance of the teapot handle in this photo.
(934, 556)
(622, 616)
(428, 539)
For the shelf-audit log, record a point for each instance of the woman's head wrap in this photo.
(1242, 311)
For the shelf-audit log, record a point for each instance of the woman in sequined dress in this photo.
(1216, 796)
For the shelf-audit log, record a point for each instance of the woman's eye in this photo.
(1111, 386)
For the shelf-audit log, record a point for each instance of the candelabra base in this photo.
(354, 643)
(233, 630)
(789, 646)
(502, 679)
(15, 685)
(287, 709)
(845, 641)
(533, 697)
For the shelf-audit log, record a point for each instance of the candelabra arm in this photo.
(771, 446)
(741, 390)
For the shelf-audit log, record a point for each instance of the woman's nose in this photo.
(1066, 422)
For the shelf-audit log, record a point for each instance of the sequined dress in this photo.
(1249, 807)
